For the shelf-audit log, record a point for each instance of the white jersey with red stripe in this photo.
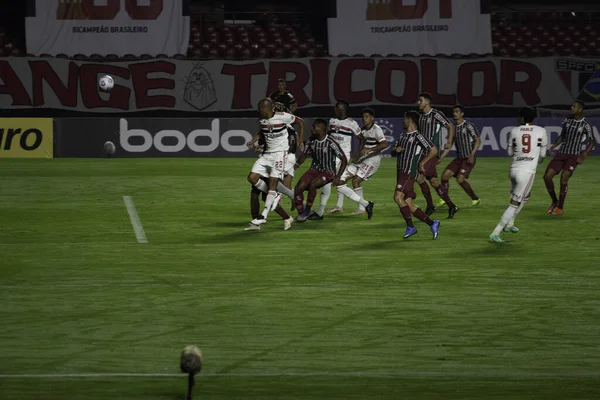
(527, 145)
(342, 131)
(275, 132)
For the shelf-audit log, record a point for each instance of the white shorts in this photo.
(364, 170)
(520, 184)
(271, 165)
(289, 167)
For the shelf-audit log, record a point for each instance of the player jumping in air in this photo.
(527, 146)
(410, 149)
(467, 142)
(323, 170)
(575, 131)
(273, 127)
(430, 125)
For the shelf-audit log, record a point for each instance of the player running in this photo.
(430, 125)
(323, 170)
(527, 146)
(410, 148)
(576, 131)
(273, 162)
(467, 143)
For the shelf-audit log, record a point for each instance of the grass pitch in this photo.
(335, 309)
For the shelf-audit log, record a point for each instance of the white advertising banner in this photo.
(108, 27)
(410, 27)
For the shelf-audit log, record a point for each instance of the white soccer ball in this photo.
(109, 148)
(106, 83)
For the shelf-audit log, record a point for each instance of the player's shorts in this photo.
(271, 165)
(405, 184)
(563, 162)
(364, 169)
(460, 166)
(312, 174)
(289, 166)
(431, 168)
(521, 182)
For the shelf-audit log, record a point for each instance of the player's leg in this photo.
(277, 163)
(351, 194)
(431, 175)
(255, 175)
(521, 182)
(434, 225)
(300, 188)
(339, 205)
(365, 171)
(449, 172)
(318, 180)
(356, 184)
(286, 187)
(325, 193)
(405, 212)
(426, 193)
(510, 227)
(553, 168)
(254, 208)
(569, 168)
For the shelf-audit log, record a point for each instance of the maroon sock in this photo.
(551, 192)
(299, 199)
(469, 190)
(420, 214)
(310, 199)
(563, 196)
(405, 211)
(444, 195)
(426, 193)
(279, 210)
(446, 186)
(254, 202)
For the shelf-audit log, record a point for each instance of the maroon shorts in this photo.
(460, 166)
(431, 168)
(309, 176)
(405, 184)
(563, 162)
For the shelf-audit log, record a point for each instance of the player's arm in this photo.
(510, 146)
(254, 139)
(396, 149)
(303, 156)
(589, 147)
(477, 140)
(448, 125)
(293, 104)
(431, 151)
(300, 122)
(559, 139)
(543, 144)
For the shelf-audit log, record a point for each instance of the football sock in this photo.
(405, 211)
(444, 195)
(508, 215)
(359, 192)
(550, 188)
(269, 202)
(420, 214)
(349, 193)
(262, 186)
(469, 190)
(299, 200)
(563, 196)
(340, 200)
(281, 188)
(426, 193)
(512, 221)
(325, 193)
(446, 186)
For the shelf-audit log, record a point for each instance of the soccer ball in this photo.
(109, 148)
(106, 83)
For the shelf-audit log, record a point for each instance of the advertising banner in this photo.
(227, 137)
(107, 27)
(235, 86)
(26, 138)
(410, 27)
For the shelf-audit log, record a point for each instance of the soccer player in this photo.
(575, 131)
(410, 149)
(288, 175)
(281, 95)
(467, 143)
(527, 146)
(273, 162)
(367, 159)
(323, 170)
(430, 125)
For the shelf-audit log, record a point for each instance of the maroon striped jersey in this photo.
(415, 146)
(430, 126)
(464, 138)
(324, 154)
(574, 134)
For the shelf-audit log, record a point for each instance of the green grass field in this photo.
(335, 309)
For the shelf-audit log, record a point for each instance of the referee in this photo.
(284, 97)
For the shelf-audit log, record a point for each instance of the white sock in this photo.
(262, 186)
(349, 193)
(511, 223)
(340, 200)
(508, 215)
(359, 191)
(325, 193)
(285, 190)
(269, 202)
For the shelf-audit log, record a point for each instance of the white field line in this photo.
(135, 220)
(374, 374)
